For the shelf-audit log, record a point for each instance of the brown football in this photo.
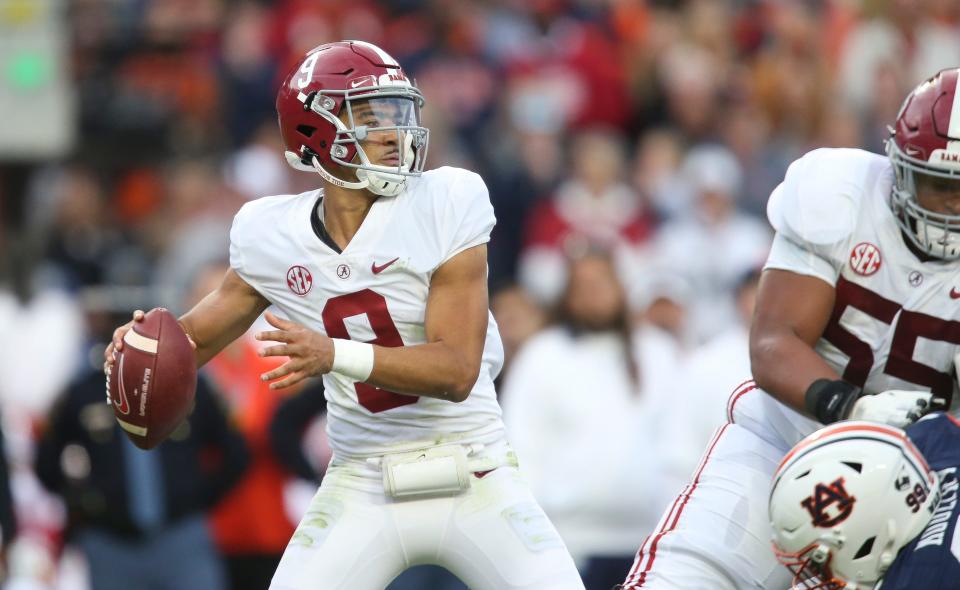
(153, 380)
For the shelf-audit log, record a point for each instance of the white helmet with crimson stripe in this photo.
(845, 500)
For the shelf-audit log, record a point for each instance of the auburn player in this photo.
(859, 505)
(856, 317)
(850, 496)
(382, 272)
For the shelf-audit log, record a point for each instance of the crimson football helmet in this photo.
(845, 500)
(925, 140)
(341, 95)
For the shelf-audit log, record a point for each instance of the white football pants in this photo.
(493, 536)
(716, 535)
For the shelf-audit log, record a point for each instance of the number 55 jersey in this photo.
(894, 323)
(376, 291)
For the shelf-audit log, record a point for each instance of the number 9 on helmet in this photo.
(845, 500)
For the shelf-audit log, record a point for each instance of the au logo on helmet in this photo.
(830, 504)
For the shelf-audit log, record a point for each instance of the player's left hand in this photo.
(310, 353)
(895, 407)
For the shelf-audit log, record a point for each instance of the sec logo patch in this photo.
(299, 280)
(865, 259)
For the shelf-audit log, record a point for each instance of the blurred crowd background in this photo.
(629, 147)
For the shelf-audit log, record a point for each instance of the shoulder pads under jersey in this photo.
(819, 200)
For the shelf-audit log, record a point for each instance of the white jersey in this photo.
(895, 325)
(896, 318)
(376, 291)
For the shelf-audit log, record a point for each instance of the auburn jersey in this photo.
(896, 317)
(932, 560)
(375, 290)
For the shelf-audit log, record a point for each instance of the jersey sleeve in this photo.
(240, 236)
(467, 217)
(803, 259)
(814, 212)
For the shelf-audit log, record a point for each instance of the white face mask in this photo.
(936, 234)
(390, 115)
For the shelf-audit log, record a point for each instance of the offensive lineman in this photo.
(382, 274)
(856, 318)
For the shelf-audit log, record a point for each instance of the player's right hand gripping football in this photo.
(895, 407)
(116, 345)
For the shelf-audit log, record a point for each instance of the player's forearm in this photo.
(785, 366)
(210, 340)
(212, 326)
(433, 370)
(222, 316)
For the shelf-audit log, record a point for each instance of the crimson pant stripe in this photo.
(742, 389)
(636, 578)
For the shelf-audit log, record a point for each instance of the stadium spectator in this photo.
(709, 373)
(251, 547)
(518, 317)
(288, 426)
(134, 513)
(595, 203)
(581, 398)
(715, 244)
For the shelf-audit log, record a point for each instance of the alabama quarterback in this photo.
(857, 317)
(381, 275)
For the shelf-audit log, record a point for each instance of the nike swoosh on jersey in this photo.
(954, 294)
(379, 269)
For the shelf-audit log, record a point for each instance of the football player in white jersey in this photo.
(857, 317)
(381, 274)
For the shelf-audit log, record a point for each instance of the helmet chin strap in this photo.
(382, 183)
(336, 181)
(379, 183)
(294, 160)
(386, 184)
(940, 239)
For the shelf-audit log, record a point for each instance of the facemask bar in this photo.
(412, 139)
(811, 568)
(936, 234)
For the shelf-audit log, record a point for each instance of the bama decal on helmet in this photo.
(830, 504)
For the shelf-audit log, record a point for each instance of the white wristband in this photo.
(352, 359)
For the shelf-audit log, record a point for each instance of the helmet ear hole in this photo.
(306, 130)
(865, 549)
(858, 467)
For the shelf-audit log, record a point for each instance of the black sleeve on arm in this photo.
(57, 432)
(218, 433)
(292, 417)
(831, 400)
